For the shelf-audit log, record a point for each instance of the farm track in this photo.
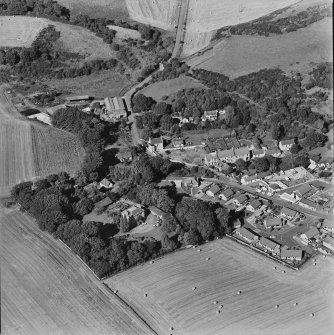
(47, 290)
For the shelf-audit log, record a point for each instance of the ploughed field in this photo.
(46, 289)
(29, 149)
(171, 300)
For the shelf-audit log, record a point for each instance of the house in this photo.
(177, 142)
(328, 225)
(254, 205)
(134, 211)
(240, 200)
(213, 191)
(210, 115)
(275, 152)
(291, 255)
(79, 98)
(105, 183)
(155, 144)
(191, 182)
(306, 203)
(272, 223)
(269, 245)
(211, 159)
(312, 233)
(157, 212)
(115, 108)
(91, 187)
(302, 191)
(226, 156)
(245, 180)
(328, 242)
(288, 196)
(258, 153)
(243, 153)
(246, 234)
(226, 195)
(103, 203)
(232, 155)
(288, 213)
(286, 145)
(125, 156)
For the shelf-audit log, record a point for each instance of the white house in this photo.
(210, 115)
(155, 144)
(286, 145)
(291, 255)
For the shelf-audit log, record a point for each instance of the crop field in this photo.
(166, 88)
(172, 302)
(205, 16)
(46, 289)
(115, 9)
(29, 149)
(19, 31)
(158, 13)
(240, 55)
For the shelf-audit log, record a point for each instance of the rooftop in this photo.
(289, 212)
(156, 140)
(103, 203)
(227, 193)
(308, 202)
(312, 232)
(286, 142)
(255, 203)
(329, 240)
(241, 151)
(246, 233)
(286, 253)
(214, 189)
(271, 222)
(242, 198)
(268, 243)
(157, 211)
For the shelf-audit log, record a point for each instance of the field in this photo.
(168, 87)
(240, 55)
(171, 301)
(29, 149)
(205, 16)
(124, 33)
(115, 9)
(158, 13)
(19, 31)
(46, 289)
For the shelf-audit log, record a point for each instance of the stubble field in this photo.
(240, 55)
(171, 301)
(46, 289)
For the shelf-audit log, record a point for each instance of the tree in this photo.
(261, 164)
(83, 206)
(166, 122)
(277, 132)
(167, 243)
(240, 165)
(50, 220)
(162, 108)
(142, 103)
(222, 215)
(192, 237)
(295, 148)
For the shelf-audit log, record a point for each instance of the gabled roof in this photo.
(308, 202)
(268, 243)
(157, 211)
(286, 253)
(263, 174)
(242, 198)
(225, 153)
(274, 186)
(304, 189)
(106, 183)
(103, 203)
(255, 203)
(271, 222)
(241, 151)
(214, 189)
(211, 113)
(258, 151)
(312, 232)
(273, 151)
(286, 142)
(156, 140)
(329, 240)
(289, 212)
(246, 233)
(250, 178)
(227, 193)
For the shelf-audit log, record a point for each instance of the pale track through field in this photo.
(171, 301)
(46, 289)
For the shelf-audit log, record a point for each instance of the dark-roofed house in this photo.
(157, 212)
(254, 205)
(286, 144)
(312, 233)
(291, 255)
(306, 203)
(302, 191)
(103, 203)
(269, 245)
(213, 191)
(226, 195)
(240, 200)
(246, 234)
(288, 213)
(272, 223)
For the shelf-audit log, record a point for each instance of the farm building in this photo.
(134, 211)
(157, 212)
(288, 213)
(115, 108)
(41, 117)
(155, 144)
(269, 245)
(240, 200)
(312, 233)
(272, 223)
(328, 242)
(306, 203)
(246, 234)
(213, 191)
(79, 98)
(254, 205)
(286, 145)
(291, 255)
(103, 203)
(226, 194)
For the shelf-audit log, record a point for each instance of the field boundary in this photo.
(130, 307)
(262, 252)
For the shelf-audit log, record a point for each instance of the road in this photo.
(181, 27)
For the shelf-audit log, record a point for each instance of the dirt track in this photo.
(47, 290)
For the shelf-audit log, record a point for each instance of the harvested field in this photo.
(115, 9)
(166, 88)
(158, 13)
(19, 31)
(29, 149)
(124, 33)
(240, 55)
(171, 301)
(222, 13)
(46, 289)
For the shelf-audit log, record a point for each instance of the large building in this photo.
(115, 108)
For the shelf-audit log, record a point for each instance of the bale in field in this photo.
(276, 306)
(215, 302)
(194, 288)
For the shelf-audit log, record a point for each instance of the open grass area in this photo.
(240, 55)
(124, 33)
(171, 301)
(19, 31)
(166, 88)
(46, 289)
(191, 156)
